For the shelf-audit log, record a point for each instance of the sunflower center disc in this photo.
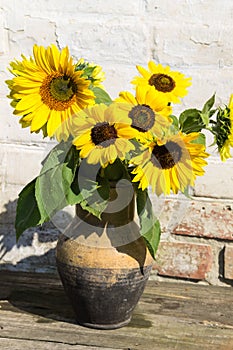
(62, 88)
(143, 117)
(104, 134)
(162, 82)
(166, 156)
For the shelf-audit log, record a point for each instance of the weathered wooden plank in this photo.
(156, 332)
(17, 344)
(192, 301)
(168, 316)
(214, 304)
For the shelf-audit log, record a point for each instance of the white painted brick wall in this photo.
(192, 36)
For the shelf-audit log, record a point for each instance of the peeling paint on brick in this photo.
(187, 260)
(228, 263)
(208, 219)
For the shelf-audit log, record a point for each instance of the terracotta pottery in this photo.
(104, 264)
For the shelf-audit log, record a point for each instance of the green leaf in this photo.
(189, 113)
(97, 199)
(93, 196)
(76, 195)
(205, 118)
(193, 120)
(51, 191)
(206, 112)
(53, 186)
(89, 70)
(27, 213)
(72, 158)
(95, 208)
(208, 105)
(190, 121)
(48, 193)
(89, 189)
(200, 140)
(59, 187)
(149, 225)
(101, 96)
(56, 156)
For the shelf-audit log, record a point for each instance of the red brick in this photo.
(186, 260)
(228, 263)
(207, 219)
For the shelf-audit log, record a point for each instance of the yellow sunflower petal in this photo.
(86, 150)
(28, 101)
(40, 118)
(126, 132)
(82, 140)
(143, 72)
(53, 56)
(174, 181)
(54, 122)
(94, 155)
(39, 54)
(126, 97)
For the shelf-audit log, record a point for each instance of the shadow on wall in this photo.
(34, 251)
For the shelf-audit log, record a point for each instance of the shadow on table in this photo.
(51, 304)
(35, 243)
(24, 280)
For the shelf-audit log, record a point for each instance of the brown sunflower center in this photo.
(104, 134)
(143, 117)
(58, 91)
(166, 156)
(162, 82)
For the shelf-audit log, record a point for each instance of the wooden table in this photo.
(35, 314)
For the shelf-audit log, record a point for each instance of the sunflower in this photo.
(91, 71)
(102, 135)
(223, 130)
(46, 90)
(147, 112)
(170, 164)
(170, 84)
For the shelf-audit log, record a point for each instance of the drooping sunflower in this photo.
(102, 135)
(223, 130)
(46, 90)
(147, 111)
(170, 164)
(164, 81)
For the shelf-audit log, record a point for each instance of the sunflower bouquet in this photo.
(134, 137)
